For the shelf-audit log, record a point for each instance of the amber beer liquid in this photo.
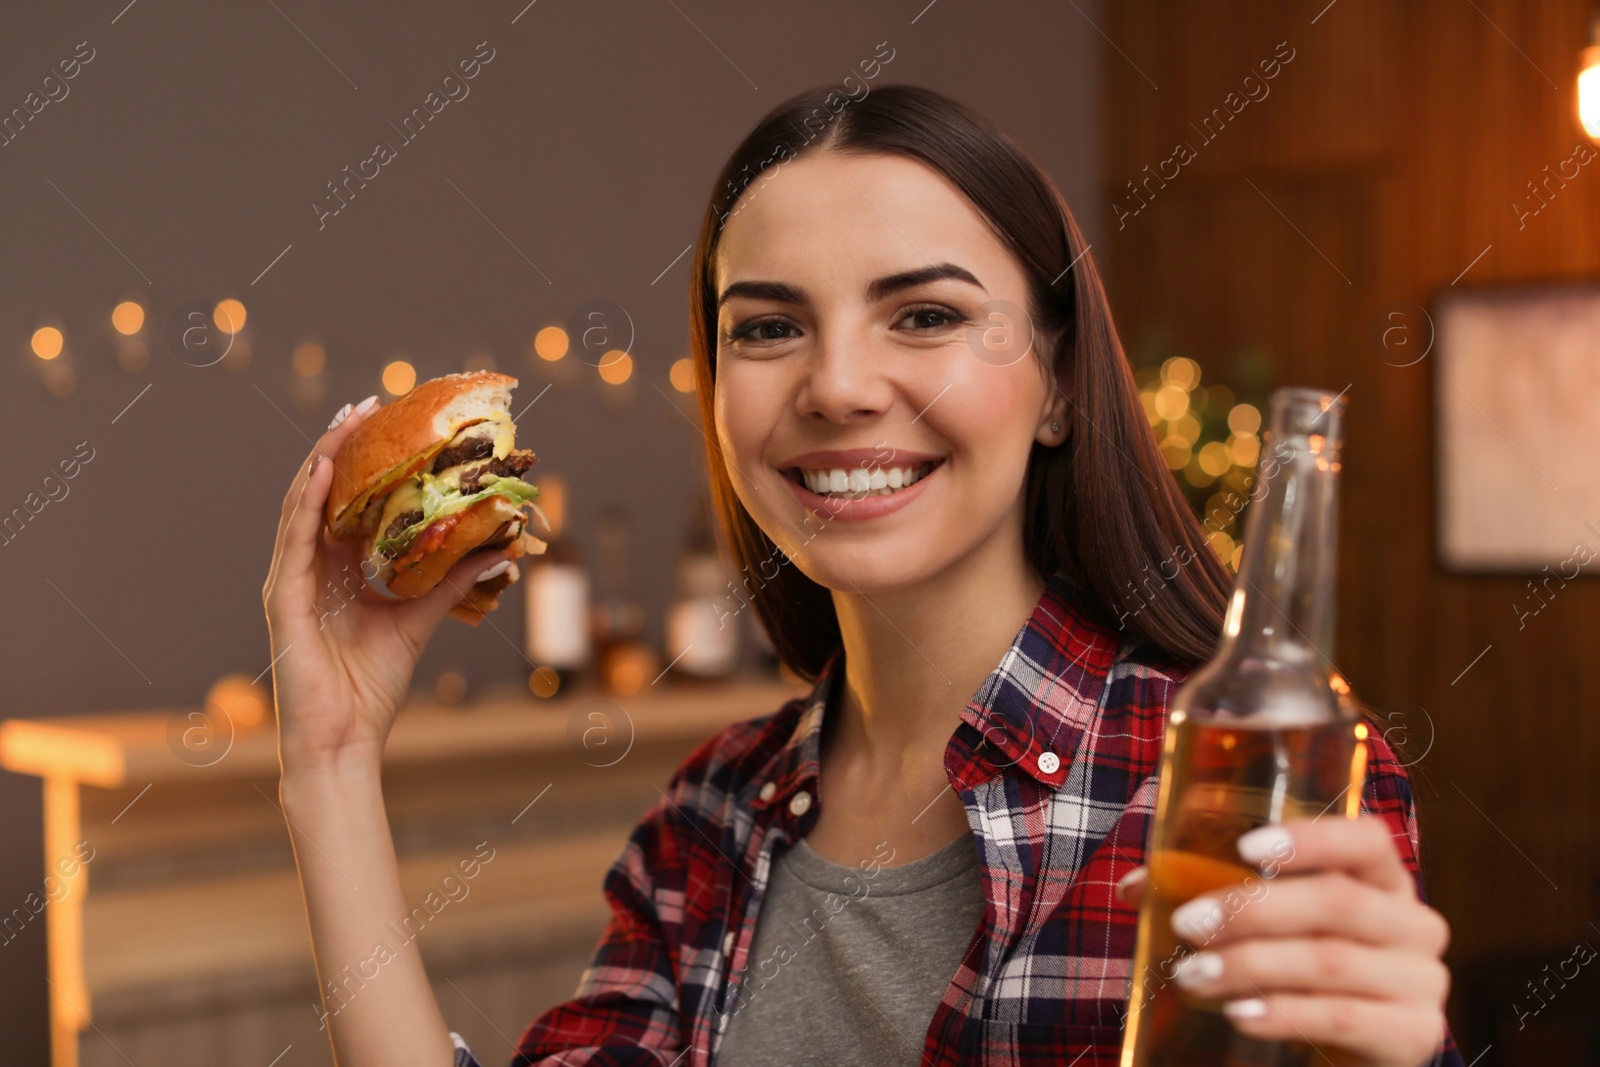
(1262, 733)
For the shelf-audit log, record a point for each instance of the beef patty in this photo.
(457, 454)
(516, 462)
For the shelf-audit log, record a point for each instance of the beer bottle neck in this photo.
(1283, 599)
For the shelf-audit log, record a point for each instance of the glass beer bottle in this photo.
(1264, 732)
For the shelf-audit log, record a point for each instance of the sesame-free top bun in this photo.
(400, 437)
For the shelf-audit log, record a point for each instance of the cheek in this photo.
(734, 402)
(747, 405)
(989, 416)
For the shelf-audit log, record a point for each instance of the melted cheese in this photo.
(408, 494)
(505, 433)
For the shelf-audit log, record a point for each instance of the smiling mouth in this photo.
(856, 483)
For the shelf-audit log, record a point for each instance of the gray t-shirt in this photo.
(849, 963)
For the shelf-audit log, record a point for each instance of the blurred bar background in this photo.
(1305, 232)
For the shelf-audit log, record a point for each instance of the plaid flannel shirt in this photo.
(1055, 759)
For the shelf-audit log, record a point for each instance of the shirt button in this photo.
(800, 803)
(767, 790)
(1049, 762)
(727, 944)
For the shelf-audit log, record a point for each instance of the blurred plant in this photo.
(1209, 434)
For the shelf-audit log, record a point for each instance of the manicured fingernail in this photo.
(368, 404)
(1198, 969)
(1127, 882)
(1254, 1008)
(499, 568)
(342, 414)
(316, 461)
(1197, 920)
(1264, 843)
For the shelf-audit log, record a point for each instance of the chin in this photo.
(868, 566)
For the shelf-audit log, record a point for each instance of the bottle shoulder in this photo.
(1273, 691)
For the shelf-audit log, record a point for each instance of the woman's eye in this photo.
(932, 318)
(760, 330)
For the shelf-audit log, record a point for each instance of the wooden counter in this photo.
(197, 918)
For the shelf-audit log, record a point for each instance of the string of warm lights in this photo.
(1179, 409)
(129, 320)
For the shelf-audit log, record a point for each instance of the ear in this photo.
(1054, 419)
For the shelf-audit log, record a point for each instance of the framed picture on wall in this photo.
(1517, 406)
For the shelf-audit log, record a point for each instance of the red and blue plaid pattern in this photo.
(1055, 760)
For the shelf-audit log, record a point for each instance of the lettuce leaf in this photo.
(439, 500)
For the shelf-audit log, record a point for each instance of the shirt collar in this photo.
(797, 764)
(1038, 700)
(1032, 709)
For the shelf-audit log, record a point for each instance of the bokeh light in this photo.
(1181, 371)
(240, 699)
(1171, 401)
(1207, 438)
(1215, 459)
(616, 366)
(550, 343)
(229, 316)
(543, 682)
(682, 375)
(127, 318)
(398, 377)
(1185, 428)
(47, 342)
(1147, 399)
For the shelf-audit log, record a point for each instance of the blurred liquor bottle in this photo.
(702, 633)
(627, 664)
(555, 597)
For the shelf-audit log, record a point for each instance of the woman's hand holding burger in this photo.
(343, 657)
(343, 653)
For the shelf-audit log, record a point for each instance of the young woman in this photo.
(930, 461)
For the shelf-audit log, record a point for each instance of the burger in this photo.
(430, 477)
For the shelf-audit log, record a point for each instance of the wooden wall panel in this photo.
(1397, 141)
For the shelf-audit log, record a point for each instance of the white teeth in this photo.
(860, 482)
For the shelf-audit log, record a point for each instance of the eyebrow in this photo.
(784, 293)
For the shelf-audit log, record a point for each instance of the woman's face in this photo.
(876, 425)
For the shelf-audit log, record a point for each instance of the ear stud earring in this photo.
(1055, 427)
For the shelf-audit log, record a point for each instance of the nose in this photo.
(844, 380)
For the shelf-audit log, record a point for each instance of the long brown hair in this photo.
(1102, 507)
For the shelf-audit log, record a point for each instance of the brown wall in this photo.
(1383, 161)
